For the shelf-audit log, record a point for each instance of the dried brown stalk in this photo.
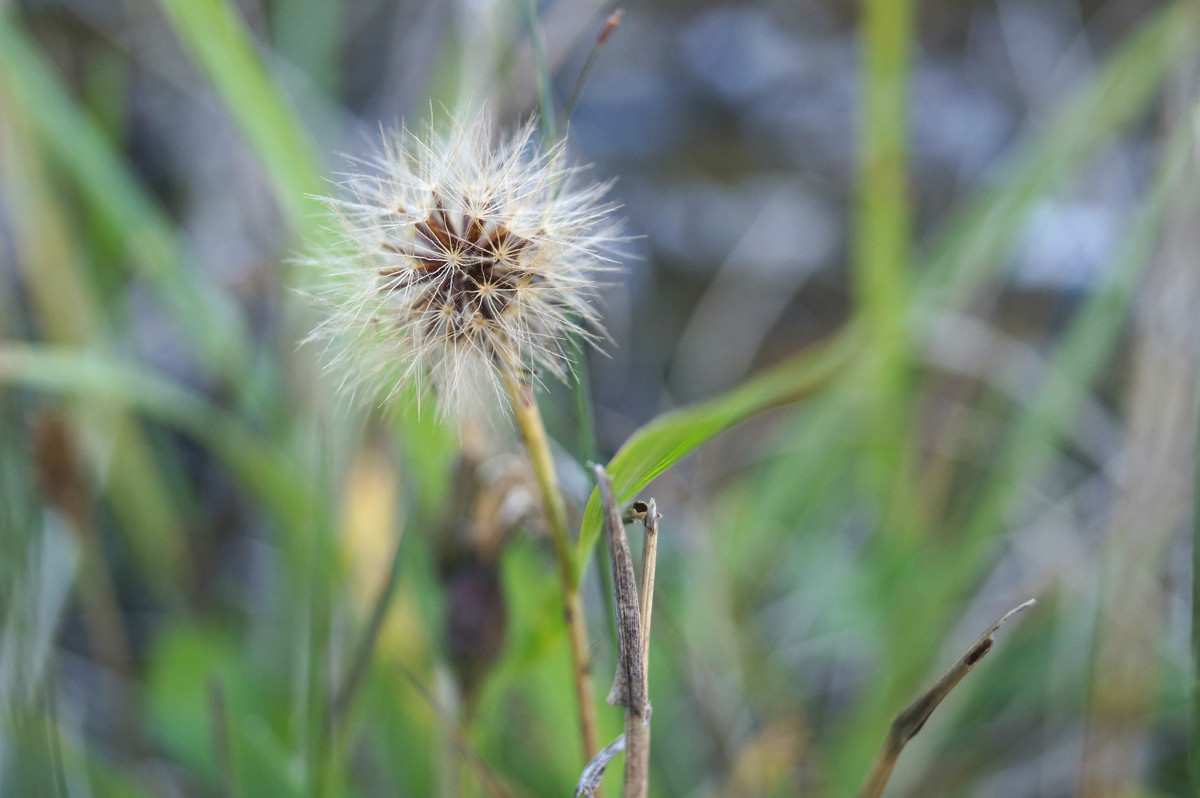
(629, 685)
(909, 722)
(649, 515)
(593, 772)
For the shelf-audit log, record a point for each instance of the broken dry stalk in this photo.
(629, 685)
(909, 722)
(593, 772)
(649, 515)
(533, 433)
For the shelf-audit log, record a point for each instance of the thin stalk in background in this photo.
(1194, 735)
(883, 233)
(610, 27)
(541, 67)
(585, 416)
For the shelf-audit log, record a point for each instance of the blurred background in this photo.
(219, 579)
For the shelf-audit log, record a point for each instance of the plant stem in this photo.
(646, 594)
(533, 432)
(1194, 736)
(629, 685)
(541, 68)
(912, 720)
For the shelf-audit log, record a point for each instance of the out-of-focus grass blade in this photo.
(63, 307)
(217, 37)
(104, 779)
(1085, 348)
(1038, 432)
(1194, 721)
(307, 33)
(883, 230)
(661, 443)
(541, 67)
(973, 245)
(31, 619)
(95, 378)
(219, 41)
(76, 142)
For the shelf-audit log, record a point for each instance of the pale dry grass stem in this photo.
(911, 720)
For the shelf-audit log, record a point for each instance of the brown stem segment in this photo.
(629, 686)
(650, 519)
(533, 433)
(909, 722)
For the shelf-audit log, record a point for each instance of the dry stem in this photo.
(533, 432)
(909, 722)
(593, 772)
(650, 518)
(629, 686)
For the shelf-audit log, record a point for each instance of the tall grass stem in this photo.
(533, 433)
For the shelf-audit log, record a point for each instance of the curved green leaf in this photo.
(663, 442)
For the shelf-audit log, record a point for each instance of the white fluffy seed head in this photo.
(463, 263)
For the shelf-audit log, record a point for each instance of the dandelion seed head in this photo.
(462, 264)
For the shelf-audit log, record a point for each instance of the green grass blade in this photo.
(97, 379)
(663, 442)
(75, 141)
(882, 239)
(541, 66)
(307, 34)
(883, 225)
(219, 41)
(1037, 434)
(973, 245)
(1194, 725)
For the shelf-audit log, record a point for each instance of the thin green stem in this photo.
(883, 241)
(610, 25)
(541, 66)
(361, 662)
(1194, 737)
(533, 433)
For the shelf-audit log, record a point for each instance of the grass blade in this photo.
(972, 246)
(72, 372)
(154, 247)
(219, 41)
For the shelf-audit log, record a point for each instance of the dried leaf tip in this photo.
(610, 26)
(908, 723)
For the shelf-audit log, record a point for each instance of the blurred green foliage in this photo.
(232, 688)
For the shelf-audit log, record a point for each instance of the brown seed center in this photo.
(465, 271)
